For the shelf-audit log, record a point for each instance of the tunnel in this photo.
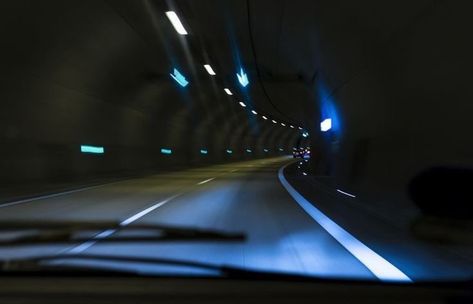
(110, 108)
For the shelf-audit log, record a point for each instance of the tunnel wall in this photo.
(77, 73)
(403, 96)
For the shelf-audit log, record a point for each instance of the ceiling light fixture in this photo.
(172, 16)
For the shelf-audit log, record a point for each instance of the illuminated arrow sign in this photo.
(243, 78)
(179, 78)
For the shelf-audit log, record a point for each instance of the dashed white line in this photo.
(82, 247)
(205, 181)
(346, 193)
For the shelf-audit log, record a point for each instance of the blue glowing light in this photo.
(229, 151)
(329, 119)
(305, 134)
(92, 149)
(203, 151)
(179, 78)
(243, 78)
(326, 125)
(166, 151)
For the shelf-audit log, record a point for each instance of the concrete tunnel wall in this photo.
(401, 82)
(76, 73)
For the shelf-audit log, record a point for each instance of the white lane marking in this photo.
(380, 267)
(106, 233)
(86, 245)
(346, 193)
(52, 195)
(206, 181)
(234, 170)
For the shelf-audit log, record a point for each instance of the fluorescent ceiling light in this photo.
(228, 91)
(254, 112)
(274, 121)
(209, 69)
(282, 124)
(242, 104)
(299, 128)
(291, 126)
(172, 16)
(264, 117)
(326, 125)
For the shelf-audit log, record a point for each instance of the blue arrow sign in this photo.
(243, 78)
(179, 78)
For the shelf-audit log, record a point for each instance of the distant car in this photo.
(301, 152)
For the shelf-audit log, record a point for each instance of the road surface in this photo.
(239, 197)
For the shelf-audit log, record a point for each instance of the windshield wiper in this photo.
(51, 232)
(47, 264)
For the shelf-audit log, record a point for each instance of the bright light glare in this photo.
(283, 124)
(274, 121)
(254, 112)
(172, 16)
(265, 150)
(281, 149)
(203, 151)
(326, 125)
(91, 149)
(229, 151)
(299, 128)
(264, 117)
(228, 91)
(304, 173)
(291, 126)
(248, 150)
(305, 134)
(242, 104)
(209, 69)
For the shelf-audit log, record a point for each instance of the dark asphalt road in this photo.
(244, 196)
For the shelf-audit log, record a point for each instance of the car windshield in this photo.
(327, 139)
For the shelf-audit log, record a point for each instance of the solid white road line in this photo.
(104, 234)
(52, 195)
(206, 181)
(380, 267)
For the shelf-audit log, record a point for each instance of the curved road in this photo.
(243, 196)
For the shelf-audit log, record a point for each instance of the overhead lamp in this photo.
(209, 69)
(172, 16)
